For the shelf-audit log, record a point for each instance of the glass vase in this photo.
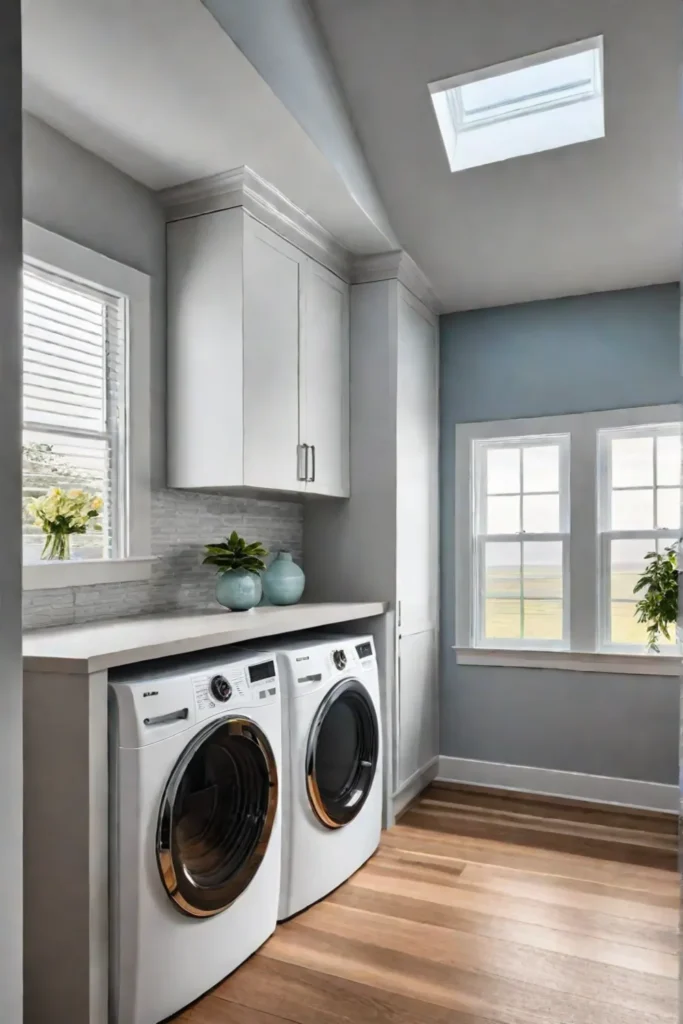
(57, 546)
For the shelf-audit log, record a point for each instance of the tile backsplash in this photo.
(182, 522)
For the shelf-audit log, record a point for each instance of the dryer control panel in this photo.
(238, 685)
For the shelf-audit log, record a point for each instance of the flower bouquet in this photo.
(60, 514)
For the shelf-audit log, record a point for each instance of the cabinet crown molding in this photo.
(399, 266)
(242, 186)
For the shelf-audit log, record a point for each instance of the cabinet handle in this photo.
(302, 462)
(312, 476)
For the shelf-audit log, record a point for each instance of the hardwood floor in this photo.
(480, 909)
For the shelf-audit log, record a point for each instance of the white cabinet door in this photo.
(272, 270)
(325, 380)
(417, 523)
(417, 735)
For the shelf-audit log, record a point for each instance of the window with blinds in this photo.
(74, 393)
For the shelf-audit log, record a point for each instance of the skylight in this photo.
(540, 102)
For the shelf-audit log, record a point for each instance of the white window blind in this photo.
(521, 539)
(74, 394)
(640, 512)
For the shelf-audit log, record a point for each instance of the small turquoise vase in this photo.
(238, 590)
(283, 580)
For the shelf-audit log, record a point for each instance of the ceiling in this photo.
(157, 88)
(601, 215)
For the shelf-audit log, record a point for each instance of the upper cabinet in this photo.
(258, 350)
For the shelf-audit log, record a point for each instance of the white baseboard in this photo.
(415, 784)
(653, 796)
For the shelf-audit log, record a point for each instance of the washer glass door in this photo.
(216, 816)
(341, 759)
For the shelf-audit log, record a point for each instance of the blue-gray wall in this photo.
(583, 354)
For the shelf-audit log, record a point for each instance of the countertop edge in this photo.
(188, 644)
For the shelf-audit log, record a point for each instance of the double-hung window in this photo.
(86, 396)
(75, 401)
(555, 518)
(521, 515)
(639, 512)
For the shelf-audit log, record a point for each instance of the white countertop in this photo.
(99, 646)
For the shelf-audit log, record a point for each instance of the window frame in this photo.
(584, 597)
(50, 251)
(480, 447)
(606, 534)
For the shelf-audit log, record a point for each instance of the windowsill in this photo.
(573, 661)
(88, 572)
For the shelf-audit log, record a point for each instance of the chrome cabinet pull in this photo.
(302, 462)
(312, 476)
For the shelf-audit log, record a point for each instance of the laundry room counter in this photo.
(99, 646)
(67, 786)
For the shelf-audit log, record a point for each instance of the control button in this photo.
(221, 688)
(339, 659)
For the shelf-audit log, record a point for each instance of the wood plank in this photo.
(306, 996)
(502, 958)
(503, 1000)
(652, 950)
(524, 834)
(548, 806)
(495, 851)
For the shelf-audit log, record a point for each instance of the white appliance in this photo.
(195, 749)
(332, 764)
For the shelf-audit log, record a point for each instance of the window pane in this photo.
(668, 508)
(541, 513)
(632, 510)
(502, 465)
(625, 627)
(503, 620)
(542, 620)
(669, 460)
(502, 515)
(542, 569)
(503, 569)
(542, 468)
(71, 463)
(632, 462)
(627, 565)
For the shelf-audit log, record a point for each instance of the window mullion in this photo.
(583, 548)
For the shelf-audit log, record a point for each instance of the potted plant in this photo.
(60, 514)
(658, 607)
(238, 565)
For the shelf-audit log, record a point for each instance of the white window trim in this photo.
(583, 429)
(61, 254)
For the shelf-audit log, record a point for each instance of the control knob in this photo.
(339, 659)
(221, 689)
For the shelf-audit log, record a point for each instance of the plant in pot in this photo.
(239, 566)
(658, 606)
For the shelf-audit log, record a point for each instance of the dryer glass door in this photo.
(341, 759)
(216, 816)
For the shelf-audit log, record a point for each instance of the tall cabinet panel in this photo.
(324, 367)
(417, 410)
(272, 270)
(417, 732)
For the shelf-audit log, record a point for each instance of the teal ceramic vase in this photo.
(283, 580)
(238, 590)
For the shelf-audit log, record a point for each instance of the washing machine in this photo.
(332, 764)
(195, 763)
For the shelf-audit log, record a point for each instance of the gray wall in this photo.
(76, 194)
(605, 351)
(10, 521)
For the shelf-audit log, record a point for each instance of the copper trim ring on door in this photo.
(369, 766)
(238, 725)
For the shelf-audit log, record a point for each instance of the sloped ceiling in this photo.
(598, 216)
